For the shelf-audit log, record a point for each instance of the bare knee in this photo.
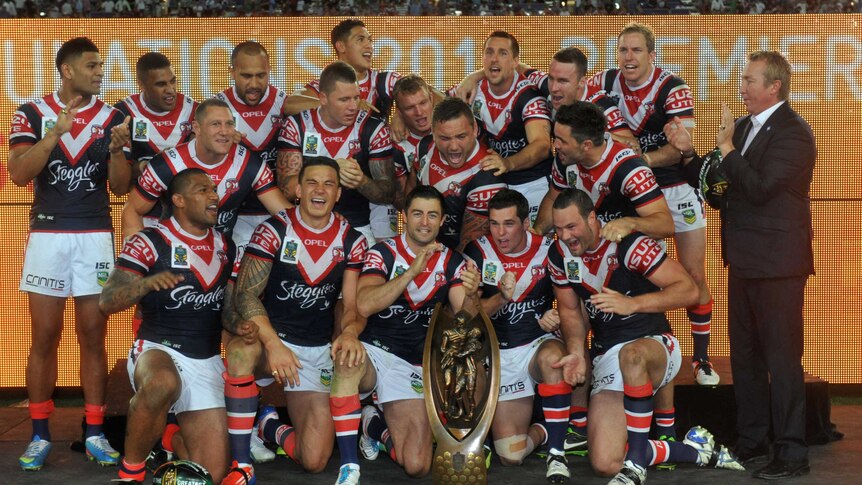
(315, 461)
(632, 357)
(242, 357)
(416, 467)
(157, 390)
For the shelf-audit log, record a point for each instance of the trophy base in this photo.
(459, 467)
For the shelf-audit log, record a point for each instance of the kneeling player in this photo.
(179, 271)
(401, 282)
(292, 272)
(516, 292)
(626, 287)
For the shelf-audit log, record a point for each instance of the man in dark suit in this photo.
(768, 160)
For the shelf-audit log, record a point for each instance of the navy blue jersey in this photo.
(404, 155)
(648, 108)
(186, 318)
(367, 139)
(517, 322)
(71, 192)
(400, 328)
(308, 268)
(376, 88)
(503, 120)
(618, 184)
(623, 267)
(468, 188)
(260, 124)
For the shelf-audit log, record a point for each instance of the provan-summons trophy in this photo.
(461, 376)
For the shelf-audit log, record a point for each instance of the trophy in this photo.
(461, 376)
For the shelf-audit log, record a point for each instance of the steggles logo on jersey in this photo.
(405, 314)
(515, 311)
(187, 295)
(73, 177)
(307, 296)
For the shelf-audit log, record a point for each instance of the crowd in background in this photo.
(259, 8)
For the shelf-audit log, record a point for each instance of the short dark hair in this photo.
(425, 192)
(341, 32)
(505, 198)
(207, 104)
(150, 62)
(308, 162)
(338, 71)
(72, 49)
(575, 197)
(573, 55)
(409, 84)
(585, 119)
(180, 183)
(502, 34)
(249, 48)
(450, 109)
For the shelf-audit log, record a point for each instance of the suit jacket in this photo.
(765, 214)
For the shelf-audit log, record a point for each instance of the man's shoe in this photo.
(630, 474)
(100, 451)
(239, 475)
(704, 374)
(575, 443)
(558, 468)
(722, 458)
(259, 452)
(158, 456)
(778, 469)
(666, 466)
(702, 441)
(34, 456)
(488, 454)
(348, 475)
(369, 447)
(750, 458)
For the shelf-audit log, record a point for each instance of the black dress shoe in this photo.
(778, 469)
(752, 457)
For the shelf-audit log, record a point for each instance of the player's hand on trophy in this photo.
(617, 229)
(66, 117)
(493, 162)
(550, 321)
(574, 368)
(610, 301)
(347, 350)
(162, 281)
(422, 257)
(283, 363)
(350, 173)
(120, 136)
(507, 285)
(678, 136)
(248, 331)
(470, 279)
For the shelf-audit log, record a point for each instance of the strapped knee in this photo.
(515, 448)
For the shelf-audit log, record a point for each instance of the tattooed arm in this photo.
(287, 167)
(125, 288)
(473, 227)
(380, 188)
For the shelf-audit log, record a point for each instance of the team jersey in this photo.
(366, 140)
(503, 120)
(153, 131)
(517, 322)
(618, 184)
(404, 154)
(186, 318)
(622, 267)
(239, 173)
(614, 117)
(308, 268)
(648, 108)
(71, 192)
(468, 188)
(261, 124)
(376, 88)
(400, 328)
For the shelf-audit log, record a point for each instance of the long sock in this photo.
(578, 419)
(673, 451)
(700, 317)
(637, 401)
(346, 414)
(665, 422)
(40, 412)
(378, 429)
(94, 415)
(241, 399)
(168, 436)
(556, 401)
(133, 471)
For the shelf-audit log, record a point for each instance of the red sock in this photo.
(168, 436)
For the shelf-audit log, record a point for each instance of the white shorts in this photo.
(316, 372)
(686, 207)
(397, 379)
(606, 367)
(534, 192)
(244, 228)
(384, 221)
(67, 263)
(150, 221)
(202, 381)
(515, 379)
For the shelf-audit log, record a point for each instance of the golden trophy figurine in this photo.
(461, 375)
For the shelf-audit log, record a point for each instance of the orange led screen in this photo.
(707, 51)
